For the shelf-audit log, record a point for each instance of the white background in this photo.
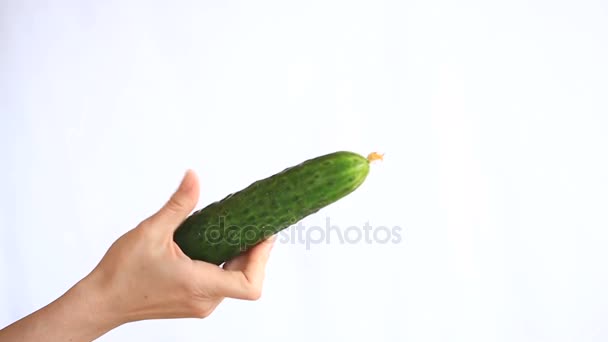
(493, 116)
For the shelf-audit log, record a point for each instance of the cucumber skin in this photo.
(226, 228)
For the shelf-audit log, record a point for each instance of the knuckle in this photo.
(253, 293)
(176, 204)
(201, 310)
(203, 313)
(251, 289)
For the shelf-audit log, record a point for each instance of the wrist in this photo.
(81, 314)
(91, 302)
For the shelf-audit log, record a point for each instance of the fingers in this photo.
(243, 277)
(260, 253)
(179, 206)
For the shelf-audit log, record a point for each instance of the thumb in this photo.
(180, 205)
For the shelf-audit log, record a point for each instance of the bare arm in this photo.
(144, 275)
(81, 314)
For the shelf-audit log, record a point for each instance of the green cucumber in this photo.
(226, 228)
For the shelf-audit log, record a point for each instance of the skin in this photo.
(144, 275)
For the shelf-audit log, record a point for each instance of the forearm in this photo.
(79, 315)
(145, 275)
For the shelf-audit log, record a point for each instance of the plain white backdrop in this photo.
(493, 116)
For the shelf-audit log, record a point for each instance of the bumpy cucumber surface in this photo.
(226, 228)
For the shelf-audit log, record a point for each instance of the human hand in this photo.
(144, 275)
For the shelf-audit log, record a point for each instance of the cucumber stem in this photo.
(375, 156)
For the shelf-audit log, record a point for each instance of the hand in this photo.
(144, 275)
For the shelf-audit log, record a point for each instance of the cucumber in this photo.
(226, 228)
